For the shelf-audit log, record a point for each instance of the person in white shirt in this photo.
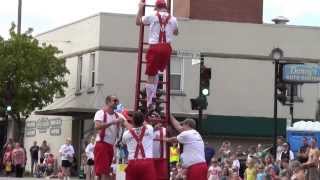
(162, 28)
(107, 122)
(139, 140)
(90, 159)
(160, 151)
(192, 157)
(67, 153)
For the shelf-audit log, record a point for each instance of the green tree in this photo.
(30, 74)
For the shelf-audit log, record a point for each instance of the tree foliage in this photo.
(30, 73)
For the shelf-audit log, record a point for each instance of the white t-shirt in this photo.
(110, 132)
(156, 143)
(193, 148)
(214, 173)
(236, 164)
(147, 142)
(154, 30)
(89, 151)
(66, 151)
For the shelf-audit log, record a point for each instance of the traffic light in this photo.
(9, 108)
(205, 77)
(199, 103)
(282, 89)
(8, 96)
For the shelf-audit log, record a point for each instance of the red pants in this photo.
(142, 169)
(158, 57)
(161, 166)
(197, 172)
(103, 155)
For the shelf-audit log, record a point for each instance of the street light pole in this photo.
(19, 16)
(277, 55)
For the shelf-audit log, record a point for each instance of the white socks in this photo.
(149, 91)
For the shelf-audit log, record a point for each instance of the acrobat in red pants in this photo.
(158, 57)
(140, 169)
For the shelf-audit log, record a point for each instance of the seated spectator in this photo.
(40, 169)
(49, 163)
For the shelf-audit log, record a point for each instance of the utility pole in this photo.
(19, 16)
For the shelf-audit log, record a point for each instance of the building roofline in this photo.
(179, 18)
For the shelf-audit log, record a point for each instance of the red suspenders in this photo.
(139, 147)
(163, 23)
(102, 132)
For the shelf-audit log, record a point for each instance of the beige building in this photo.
(101, 54)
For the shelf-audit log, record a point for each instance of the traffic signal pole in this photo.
(199, 124)
(275, 107)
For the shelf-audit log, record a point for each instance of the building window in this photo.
(79, 73)
(92, 69)
(176, 73)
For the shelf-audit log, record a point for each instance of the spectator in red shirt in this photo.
(7, 159)
(19, 159)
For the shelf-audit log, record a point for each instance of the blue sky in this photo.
(43, 15)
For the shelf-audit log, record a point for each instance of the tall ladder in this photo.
(163, 94)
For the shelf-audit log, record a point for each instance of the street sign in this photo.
(301, 73)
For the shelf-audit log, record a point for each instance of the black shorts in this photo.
(90, 162)
(66, 163)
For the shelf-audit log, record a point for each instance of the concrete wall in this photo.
(53, 129)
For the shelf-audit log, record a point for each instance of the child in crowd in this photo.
(215, 171)
(261, 175)
(251, 172)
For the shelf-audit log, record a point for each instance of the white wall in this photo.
(222, 37)
(70, 38)
(238, 87)
(34, 131)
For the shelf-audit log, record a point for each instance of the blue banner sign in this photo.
(301, 73)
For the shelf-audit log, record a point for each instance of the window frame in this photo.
(182, 61)
(79, 86)
(92, 71)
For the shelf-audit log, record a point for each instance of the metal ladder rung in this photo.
(156, 101)
(149, 5)
(161, 82)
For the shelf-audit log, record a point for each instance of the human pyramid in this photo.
(146, 142)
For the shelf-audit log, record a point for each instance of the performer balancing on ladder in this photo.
(162, 28)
